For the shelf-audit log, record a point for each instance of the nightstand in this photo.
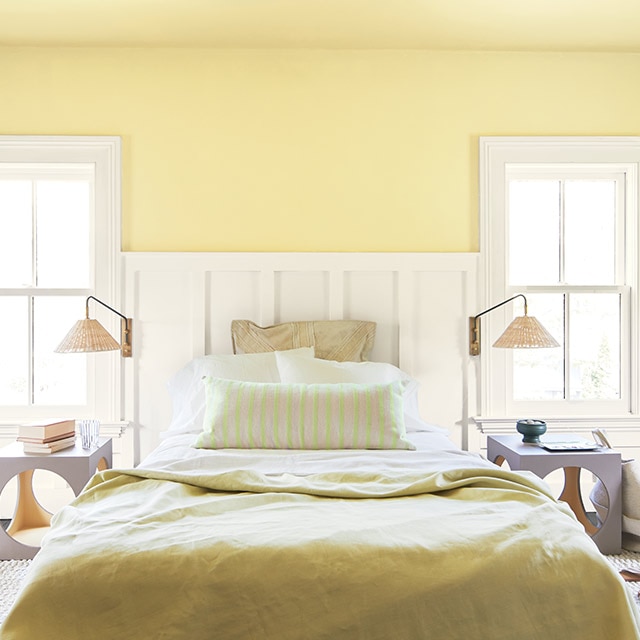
(30, 521)
(604, 463)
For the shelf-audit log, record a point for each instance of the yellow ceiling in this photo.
(501, 25)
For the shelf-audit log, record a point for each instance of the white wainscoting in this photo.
(183, 304)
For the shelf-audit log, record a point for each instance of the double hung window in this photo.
(59, 243)
(559, 225)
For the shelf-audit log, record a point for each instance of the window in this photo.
(559, 225)
(59, 243)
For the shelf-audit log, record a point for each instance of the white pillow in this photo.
(294, 368)
(187, 390)
(267, 415)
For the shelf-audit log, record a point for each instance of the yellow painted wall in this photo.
(309, 150)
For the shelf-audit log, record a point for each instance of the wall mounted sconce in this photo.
(89, 335)
(524, 332)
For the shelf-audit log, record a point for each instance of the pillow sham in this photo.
(332, 339)
(266, 415)
(293, 368)
(187, 392)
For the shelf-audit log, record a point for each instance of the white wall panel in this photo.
(440, 348)
(230, 295)
(168, 332)
(303, 295)
(373, 295)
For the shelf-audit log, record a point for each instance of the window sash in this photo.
(566, 405)
(582, 171)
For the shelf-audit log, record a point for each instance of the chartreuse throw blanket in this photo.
(468, 553)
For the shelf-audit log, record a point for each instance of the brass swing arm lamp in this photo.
(524, 332)
(89, 335)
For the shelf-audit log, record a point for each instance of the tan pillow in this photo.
(332, 339)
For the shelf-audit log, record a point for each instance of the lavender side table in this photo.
(31, 521)
(604, 463)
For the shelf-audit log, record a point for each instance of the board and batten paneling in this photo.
(183, 304)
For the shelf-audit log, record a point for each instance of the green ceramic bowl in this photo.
(531, 430)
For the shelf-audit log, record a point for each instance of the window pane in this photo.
(589, 209)
(14, 351)
(15, 233)
(59, 378)
(63, 222)
(534, 231)
(594, 346)
(538, 374)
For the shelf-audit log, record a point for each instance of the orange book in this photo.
(46, 429)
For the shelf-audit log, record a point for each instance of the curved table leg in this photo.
(29, 514)
(572, 496)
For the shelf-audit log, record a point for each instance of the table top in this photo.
(525, 449)
(15, 450)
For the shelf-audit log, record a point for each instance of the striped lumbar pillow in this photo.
(264, 415)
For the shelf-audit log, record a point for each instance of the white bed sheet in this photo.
(176, 453)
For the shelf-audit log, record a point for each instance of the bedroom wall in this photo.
(309, 150)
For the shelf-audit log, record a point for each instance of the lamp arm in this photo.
(519, 295)
(104, 305)
(474, 324)
(126, 327)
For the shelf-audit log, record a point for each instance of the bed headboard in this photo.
(183, 304)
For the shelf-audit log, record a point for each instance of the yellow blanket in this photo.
(467, 553)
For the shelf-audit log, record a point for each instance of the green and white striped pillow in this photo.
(266, 415)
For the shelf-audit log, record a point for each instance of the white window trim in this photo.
(495, 154)
(105, 153)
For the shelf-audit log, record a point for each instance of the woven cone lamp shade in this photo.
(525, 332)
(86, 336)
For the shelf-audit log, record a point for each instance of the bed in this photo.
(369, 525)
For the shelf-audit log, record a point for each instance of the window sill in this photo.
(107, 430)
(624, 423)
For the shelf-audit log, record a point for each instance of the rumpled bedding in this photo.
(428, 544)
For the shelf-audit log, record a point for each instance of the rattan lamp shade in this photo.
(87, 336)
(525, 332)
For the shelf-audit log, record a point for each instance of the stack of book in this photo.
(47, 436)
